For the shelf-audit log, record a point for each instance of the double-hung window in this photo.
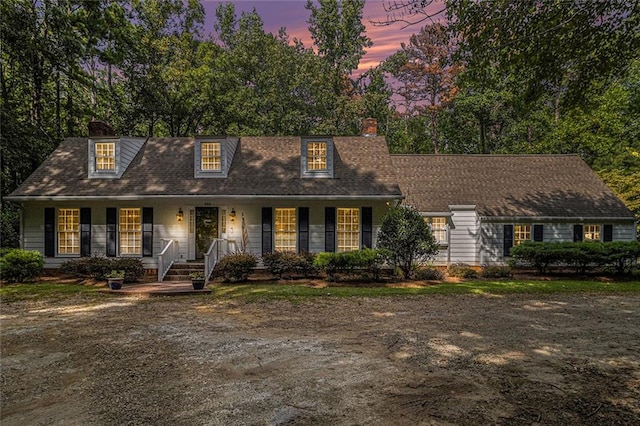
(317, 156)
(210, 158)
(591, 233)
(521, 233)
(348, 229)
(285, 234)
(105, 155)
(130, 232)
(438, 228)
(69, 231)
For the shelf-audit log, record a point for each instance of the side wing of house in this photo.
(481, 206)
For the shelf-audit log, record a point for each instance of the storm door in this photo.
(206, 229)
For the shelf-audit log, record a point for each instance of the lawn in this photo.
(302, 289)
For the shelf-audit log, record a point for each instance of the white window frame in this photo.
(104, 146)
(521, 232)
(348, 232)
(130, 232)
(68, 231)
(212, 158)
(590, 231)
(440, 230)
(285, 229)
(312, 156)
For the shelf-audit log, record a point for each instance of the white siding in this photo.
(465, 237)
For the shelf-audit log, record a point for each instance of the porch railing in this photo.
(211, 257)
(167, 257)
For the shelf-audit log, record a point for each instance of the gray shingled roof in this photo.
(507, 185)
(262, 166)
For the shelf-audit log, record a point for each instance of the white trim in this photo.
(551, 218)
(247, 197)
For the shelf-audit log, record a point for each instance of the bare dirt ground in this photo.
(517, 359)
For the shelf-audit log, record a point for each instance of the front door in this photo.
(206, 229)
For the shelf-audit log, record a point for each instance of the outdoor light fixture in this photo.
(180, 215)
(232, 215)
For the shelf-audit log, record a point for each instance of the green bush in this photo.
(235, 267)
(582, 256)
(366, 263)
(496, 272)
(21, 265)
(429, 274)
(98, 267)
(288, 264)
(460, 270)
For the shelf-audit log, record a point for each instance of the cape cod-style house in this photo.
(169, 200)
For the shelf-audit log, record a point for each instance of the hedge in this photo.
(582, 256)
(366, 263)
(97, 267)
(235, 267)
(288, 264)
(18, 265)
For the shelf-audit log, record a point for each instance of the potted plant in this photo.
(197, 280)
(115, 278)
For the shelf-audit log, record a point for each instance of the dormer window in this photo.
(211, 158)
(105, 155)
(317, 157)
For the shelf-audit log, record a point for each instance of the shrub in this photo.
(496, 272)
(366, 263)
(580, 255)
(98, 267)
(21, 265)
(235, 267)
(287, 264)
(406, 238)
(461, 270)
(429, 274)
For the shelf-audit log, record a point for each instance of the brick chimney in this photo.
(100, 128)
(369, 127)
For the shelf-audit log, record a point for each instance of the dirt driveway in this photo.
(517, 359)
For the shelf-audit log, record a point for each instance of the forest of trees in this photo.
(492, 76)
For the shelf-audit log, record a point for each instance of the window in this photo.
(438, 228)
(348, 228)
(130, 231)
(521, 233)
(105, 153)
(285, 229)
(210, 156)
(317, 156)
(69, 231)
(591, 233)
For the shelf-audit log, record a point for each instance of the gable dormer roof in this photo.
(108, 157)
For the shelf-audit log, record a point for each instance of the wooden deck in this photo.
(171, 288)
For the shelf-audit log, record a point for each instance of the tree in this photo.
(407, 238)
(426, 72)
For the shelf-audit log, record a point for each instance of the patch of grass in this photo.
(45, 290)
(265, 292)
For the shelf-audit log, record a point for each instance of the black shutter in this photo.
(49, 231)
(538, 233)
(508, 240)
(147, 231)
(577, 233)
(267, 220)
(330, 229)
(367, 227)
(303, 229)
(85, 232)
(608, 233)
(112, 231)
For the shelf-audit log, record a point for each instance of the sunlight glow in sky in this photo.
(292, 15)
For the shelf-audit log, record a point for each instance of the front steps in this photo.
(181, 271)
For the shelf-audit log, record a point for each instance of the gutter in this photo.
(198, 196)
(551, 218)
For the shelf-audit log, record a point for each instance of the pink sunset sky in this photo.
(292, 15)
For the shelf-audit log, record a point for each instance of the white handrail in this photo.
(167, 257)
(211, 258)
